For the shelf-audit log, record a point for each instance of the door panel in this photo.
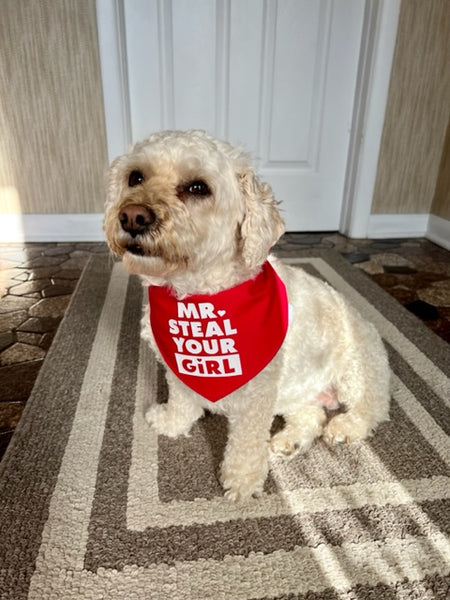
(277, 76)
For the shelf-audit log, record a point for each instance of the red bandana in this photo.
(217, 343)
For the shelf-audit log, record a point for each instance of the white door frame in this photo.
(374, 69)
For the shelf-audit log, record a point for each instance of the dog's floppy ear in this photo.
(262, 224)
(114, 178)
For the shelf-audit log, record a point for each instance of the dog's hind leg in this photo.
(359, 420)
(364, 391)
(299, 432)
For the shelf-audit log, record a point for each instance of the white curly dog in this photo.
(187, 213)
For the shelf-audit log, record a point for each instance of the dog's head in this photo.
(184, 202)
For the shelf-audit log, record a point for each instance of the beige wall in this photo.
(417, 113)
(52, 141)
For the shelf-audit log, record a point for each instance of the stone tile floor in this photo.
(37, 280)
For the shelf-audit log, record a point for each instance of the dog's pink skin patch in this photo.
(328, 399)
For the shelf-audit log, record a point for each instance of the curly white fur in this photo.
(208, 243)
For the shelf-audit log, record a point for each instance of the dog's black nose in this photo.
(136, 219)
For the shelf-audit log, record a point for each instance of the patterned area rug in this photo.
(94, 505)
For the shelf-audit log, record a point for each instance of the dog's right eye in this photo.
(135, 178)
(197, 188)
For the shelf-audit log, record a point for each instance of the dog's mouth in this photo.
(135, 249)
(138, 250)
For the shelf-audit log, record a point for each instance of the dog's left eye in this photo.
(135, 178)
(197, 188)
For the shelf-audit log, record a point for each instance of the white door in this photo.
(277, 76)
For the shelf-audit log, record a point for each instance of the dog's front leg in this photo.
(177, 416)
(246, 459)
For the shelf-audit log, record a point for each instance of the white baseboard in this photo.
(398, 226)
(51, 228)
(430, 226)
(439, 231)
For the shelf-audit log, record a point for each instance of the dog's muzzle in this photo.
(136, 219)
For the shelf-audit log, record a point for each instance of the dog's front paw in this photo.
(241, 486)
(167, 422)
(240, 492)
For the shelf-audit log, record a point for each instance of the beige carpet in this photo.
(93, 505)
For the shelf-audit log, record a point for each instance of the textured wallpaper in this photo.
(417, 114)
(52, 132)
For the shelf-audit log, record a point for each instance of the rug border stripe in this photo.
(299, 571)
(155, 513)
(64, 542)
(22, 481)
